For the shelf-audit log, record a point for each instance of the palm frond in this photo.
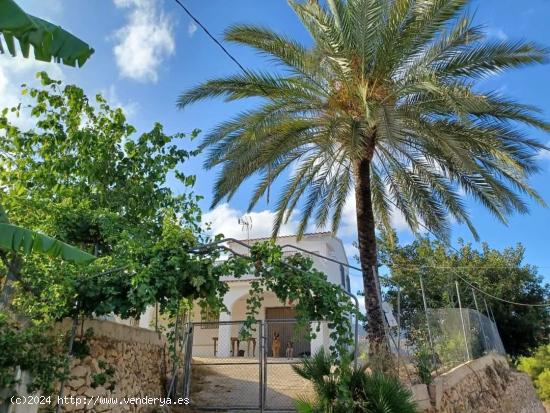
(392, 81)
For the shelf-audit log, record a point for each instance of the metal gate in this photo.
(229, 368)
(282, 385)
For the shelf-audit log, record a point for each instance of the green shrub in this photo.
(537, 367)
(34, 348)
(344, 389)
(424, 364)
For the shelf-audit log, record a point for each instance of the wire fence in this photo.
(441, 339)
(229, 366)
(427, 341)
(228, 370)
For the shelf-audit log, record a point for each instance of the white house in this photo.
(218, 335)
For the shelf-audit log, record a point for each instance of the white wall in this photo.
(323, 243)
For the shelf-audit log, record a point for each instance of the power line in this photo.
(233, 58)
(472, 285)
(203, 27)
(498, 298)
(245, 71)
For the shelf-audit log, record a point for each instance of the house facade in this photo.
(217, 334)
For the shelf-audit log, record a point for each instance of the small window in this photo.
(209, 318)
(342, 276)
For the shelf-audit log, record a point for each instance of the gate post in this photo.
(261, 364)
(187, 362)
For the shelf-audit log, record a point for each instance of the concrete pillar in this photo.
(147, 319)
(322, 338)
(224, 330)
(224, 336)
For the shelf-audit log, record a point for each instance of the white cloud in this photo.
(191, 29)
(15, 71)
(497, 33)
(145, 41)
(130, 108)
(224, 220)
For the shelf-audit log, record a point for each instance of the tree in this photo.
(15, 240)
(537, 366)
(501, 273)
(82, 174)
(48, 40)
(383, 104)
(91, 182)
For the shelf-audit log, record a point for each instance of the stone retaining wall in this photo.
(484, 385)
(137, 357)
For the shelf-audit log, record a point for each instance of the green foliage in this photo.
(90, 181)
(502, 273)
(105, 376)
(17, 239)
(81, 344)
(48, 40)
(341, 388)
(424, 363)
(537, 366)
(542, 384)
(35, 348)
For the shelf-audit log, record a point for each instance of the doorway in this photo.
(288, 331)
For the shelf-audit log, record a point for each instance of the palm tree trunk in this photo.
(367, 255)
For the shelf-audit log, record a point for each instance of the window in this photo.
(209, 318)
(342, 276)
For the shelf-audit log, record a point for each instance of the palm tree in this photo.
(344, 389)
(383, 104)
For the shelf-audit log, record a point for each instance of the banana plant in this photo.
(47, 39)
(23, 241)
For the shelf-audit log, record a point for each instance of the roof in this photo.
(309, 234)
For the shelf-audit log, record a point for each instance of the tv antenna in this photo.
(246, 223)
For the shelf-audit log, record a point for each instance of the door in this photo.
(288, 332)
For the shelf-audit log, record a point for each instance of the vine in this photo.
(315, 298)
(34, 348)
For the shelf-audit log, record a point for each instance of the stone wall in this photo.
(138, 358)
(485, 385)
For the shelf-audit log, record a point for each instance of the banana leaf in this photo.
(48, 40)
(26, 241)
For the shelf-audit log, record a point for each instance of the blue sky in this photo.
(148, 51)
